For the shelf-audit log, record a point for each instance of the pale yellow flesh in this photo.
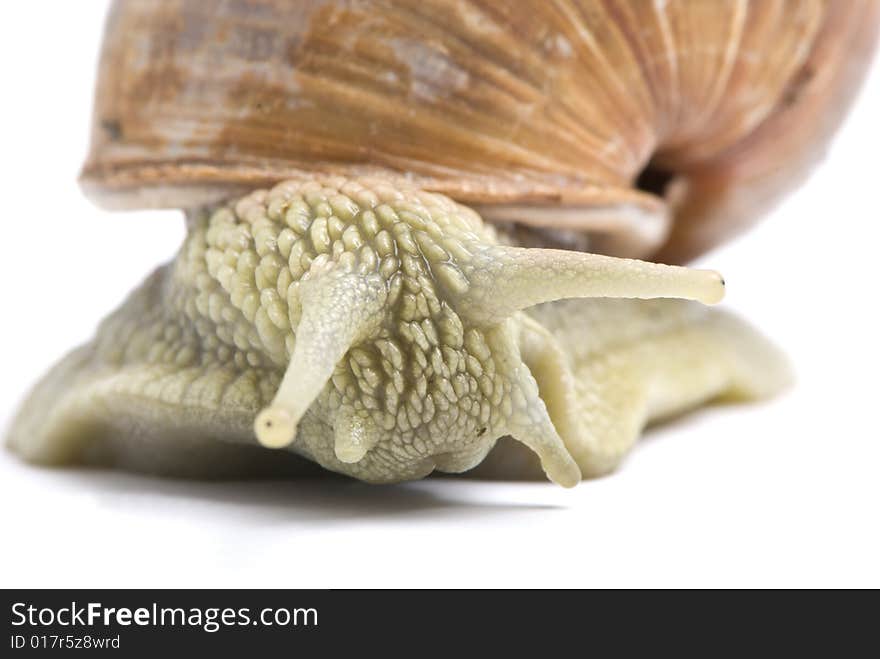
(380, 331)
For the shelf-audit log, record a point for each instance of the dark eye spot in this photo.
(481, 432)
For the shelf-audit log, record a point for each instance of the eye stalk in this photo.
(505, 279)
(339, 308)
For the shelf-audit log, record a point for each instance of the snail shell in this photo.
(646, 129)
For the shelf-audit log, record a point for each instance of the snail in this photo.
(413, 228)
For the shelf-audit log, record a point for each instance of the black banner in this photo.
(396, 623)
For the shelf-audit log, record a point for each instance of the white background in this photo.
(778, 494)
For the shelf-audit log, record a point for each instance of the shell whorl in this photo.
(543, 116)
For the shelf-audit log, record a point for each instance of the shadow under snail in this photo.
(407, 219)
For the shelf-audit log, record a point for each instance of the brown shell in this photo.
(608, 117)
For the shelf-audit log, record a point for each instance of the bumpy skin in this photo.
(381, 327)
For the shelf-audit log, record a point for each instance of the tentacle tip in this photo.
(275, 427)
(350, 454)
(565, 472)
(715, 288)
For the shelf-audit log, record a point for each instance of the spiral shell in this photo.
(655, 129)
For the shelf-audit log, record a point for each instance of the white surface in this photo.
(781, 494)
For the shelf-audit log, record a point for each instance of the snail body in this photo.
(376, 194)
(385, 333)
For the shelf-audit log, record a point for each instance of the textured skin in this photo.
(386, 323)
